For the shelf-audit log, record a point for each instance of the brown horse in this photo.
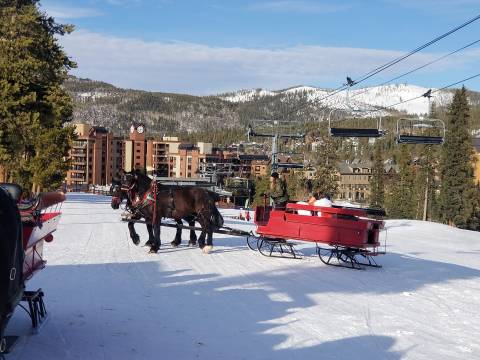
(122, 193)
(155, 202)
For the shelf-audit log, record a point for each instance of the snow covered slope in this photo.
(366, 98)
(109, 299)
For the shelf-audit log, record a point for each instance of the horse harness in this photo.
(149, 198)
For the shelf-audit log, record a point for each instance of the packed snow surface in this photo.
(109, 299)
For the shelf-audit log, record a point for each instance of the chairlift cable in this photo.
(432, 92)
(390, 63)
(403, 57)
(418, 68)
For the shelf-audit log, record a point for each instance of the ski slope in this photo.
(109, 299)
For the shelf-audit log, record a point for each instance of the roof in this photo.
(252, 157)
(187, 146)
(347, 167)
(100, 129)
(476, 144)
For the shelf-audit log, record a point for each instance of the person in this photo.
(278, 191)
(313, 197)
(324, 201)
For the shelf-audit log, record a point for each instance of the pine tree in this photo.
(34, 107)
(473, 222)
(325, 160)
(425, 187)
(457, 183)
(262, 186)
(377, 181)
(401, 200)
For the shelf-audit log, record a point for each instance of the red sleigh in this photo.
(344, 237)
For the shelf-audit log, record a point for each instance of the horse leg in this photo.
(193, 235)
(133, 234)
(205, 224)
(178, 235)
(209, 246)
(150, 235)
(201, 239)
(156, 239)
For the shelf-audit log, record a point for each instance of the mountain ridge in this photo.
(100, 103)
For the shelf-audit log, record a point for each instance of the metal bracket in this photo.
(13, 273)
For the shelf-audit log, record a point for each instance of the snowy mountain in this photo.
(358, 99)
(99, 103)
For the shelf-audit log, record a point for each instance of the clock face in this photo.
(140, 129)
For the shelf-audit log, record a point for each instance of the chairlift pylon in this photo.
(420, 131)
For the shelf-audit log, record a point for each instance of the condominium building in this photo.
(354, 179)
(158, 152)
(184, 159)
(95, 156)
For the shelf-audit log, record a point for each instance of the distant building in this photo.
(158, 152)
(354, 181)
(95, 156)
(259, 168)
(185, 158)
(476, 146)
(135, 149)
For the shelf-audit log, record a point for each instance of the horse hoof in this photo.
(207, 249)
(153, 250)
(174, 244)
(136, 240)
(192, 244)
(149, 243)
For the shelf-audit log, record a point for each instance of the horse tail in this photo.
(217, 217)
(213, 195)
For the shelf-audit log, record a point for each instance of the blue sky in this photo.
(212, 46)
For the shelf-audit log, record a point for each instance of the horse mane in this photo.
(143, 181)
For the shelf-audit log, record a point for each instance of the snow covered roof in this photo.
(476, 144)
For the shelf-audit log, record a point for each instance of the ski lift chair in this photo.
(374, 132)
(420, 131)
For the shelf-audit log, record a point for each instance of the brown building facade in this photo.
(158, 155)
(354, 179)
(135, 149)
(184, 159)
(95, 156)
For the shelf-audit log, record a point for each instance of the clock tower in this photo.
(136, 148)
(137, 132)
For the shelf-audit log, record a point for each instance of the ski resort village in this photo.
(258, 179)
